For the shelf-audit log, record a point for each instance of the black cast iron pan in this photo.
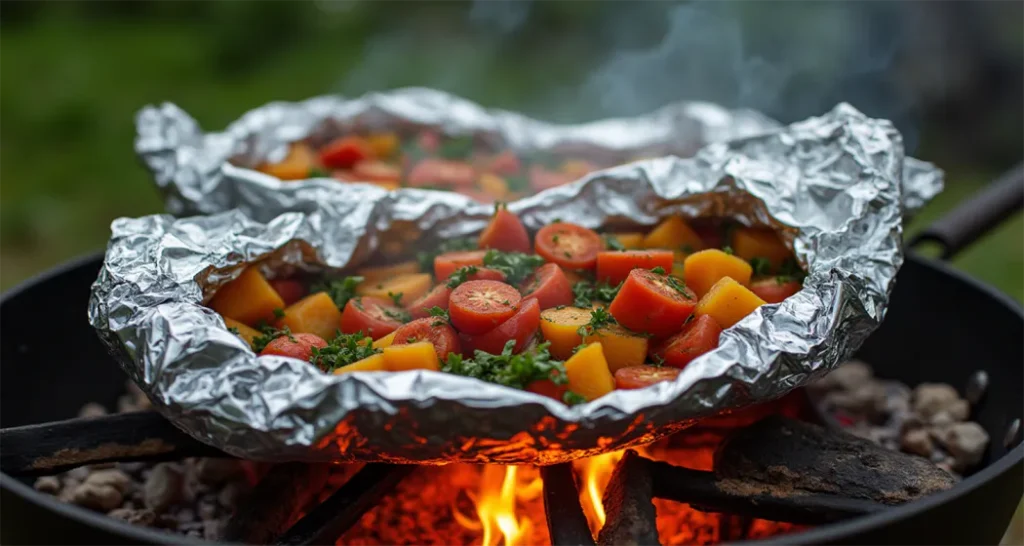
(942, 326)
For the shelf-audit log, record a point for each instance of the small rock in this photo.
(163, 487)
(92, 409)
(212, 529)
(80, 473)
(890, 399)
(228, 496)
(959, 410)
(977, 384)
(142, 517)
(918, 442)
(112, 477)
(911, 422)
(846, 377)
(47, 484)
(215, 471)
(100, 497)
(932, 398)
(966, 442)
(941, 420)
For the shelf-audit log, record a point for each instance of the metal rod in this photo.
(266, 511)
(567, 524)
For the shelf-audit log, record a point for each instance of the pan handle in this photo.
(966, 223)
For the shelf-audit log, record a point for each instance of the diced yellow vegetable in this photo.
(678, 269)
(631, 241)
(620, 346)
(673, 234)
(313, 314)
(295, 166)
(728, 302)
(577, 168)
(244, 331)
(588, 373)
(703, 269)
(409, 285)
(389, 185)
(247, 299)
(559, 327)
(385, 341)
(494, 185)
(373, 363)
(385, 272)
(750, 243)
(412, 356)
(384, 145)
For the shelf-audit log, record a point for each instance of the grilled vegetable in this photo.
(248, 299)
(728, 302)
(703, 269)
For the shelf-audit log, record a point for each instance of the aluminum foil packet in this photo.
(833, 186)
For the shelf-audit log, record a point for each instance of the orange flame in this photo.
(595, 473)
(496, 504)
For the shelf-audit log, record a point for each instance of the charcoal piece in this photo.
(47, 484)
(112, 477)
(566, 521)
(627, 504)
(266, 510)
(144, 517)
(99, 497)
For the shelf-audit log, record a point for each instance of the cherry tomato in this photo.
(638, 377)
(652, 303)
(698, 337)
(505, 233)
(433, 329)
(344, 152)
(429, 141)
(542, 178)
(521, 327)
(441, 172)
(614, 266)
(487, 274)
(298, 346)
(436, 297)
(506, 163)
(549, 286)
(569, 245)
(446, 264)
(772, 290)
(376, 171)
(372, 316)
(290, 290)
(344, 175)
(546, 387)
(476, 307)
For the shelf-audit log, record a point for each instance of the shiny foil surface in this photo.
(835, 187)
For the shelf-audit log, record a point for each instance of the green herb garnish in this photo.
(436, 311)
(456, 147)
(586, 292)
(234, 330)
(397, 298)
(761, 266)
(343, 350)
(688, 249)
(517, 183)
(461, 275)
(657, 360)
(791, 268)
(278, 312)
(573, 399)
(317, 172)
(509, 369)
(599, 318)
(267, 334)
(340, 290)
(659, 270)
(516, 266)
(399, 314)
(611, 242)
(727, 249)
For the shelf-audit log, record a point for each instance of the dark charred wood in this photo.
(630, 515)
(567, 523)
(325, 523)
(54, 447)
(267, 510)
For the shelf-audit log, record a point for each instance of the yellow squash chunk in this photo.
(313, 314)
(588, 373)
(373, 363)
(703, 269)
(750, 243)
(295, 166)
(384, 145)
(728, 302)
(559, 327)
(620, 346)
(385, 341)
(385, 272)
(631, 241)
(409, 285)
(244, 331)
(412, 356)
(247, 299)
(673, 234)
(494, 185)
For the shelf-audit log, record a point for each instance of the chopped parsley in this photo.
(657, 360)
(572, 398)
(688, 249)
(509, 369)
(268, 334)
(397, 298)
(461, 275)
(343, 350)
(611, 242)
(586, 292)
(426, 259)
(401, 315)
(659, 270)
(317, 172)
(234, 330)
(791, 270)
(278, 312)
(517, 183)
(678, 286)
(761, 266)
(516, 266)
(727, 249)
(436, 311)
(599, 318)
(340, 290)
(456, 147)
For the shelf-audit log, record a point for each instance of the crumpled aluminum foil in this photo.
(833, 186)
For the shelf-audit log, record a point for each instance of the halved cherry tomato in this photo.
(372, 316)
(290, 290)
(441, 172)
(698, 337)
(476, 307)
(505, 233)
(614, 266)
(638, 377)
(770, 290)
(569, 245)
(344, 152)
(652, 303)
(549, 286)
(521, 328)
(542, 178)
(486, 274)
(436, 297)
(547, 387)
(446, 264)
(432, 329)
(298, 346)
(376, 171)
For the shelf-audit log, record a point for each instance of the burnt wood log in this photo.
(567, 524)
(629, 512)
(50, 448)
(267, 510)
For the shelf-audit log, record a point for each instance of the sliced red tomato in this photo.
(504, 164)
(476, 307)
(290, 290)
(298, 346)
(376, 171)
(775, 289)
(434, 330)
(446, 264)
(652, 303)
(487, 274)
(638, 377)
(698, 337)
(436, 297)
(546, 387)
(344, 175)
(442, 172)
(505, 233)
(344, 152)
(521, 327)
(614, 266)
(549, 286)
(569, 245)
(375, 317)
(542, 178)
